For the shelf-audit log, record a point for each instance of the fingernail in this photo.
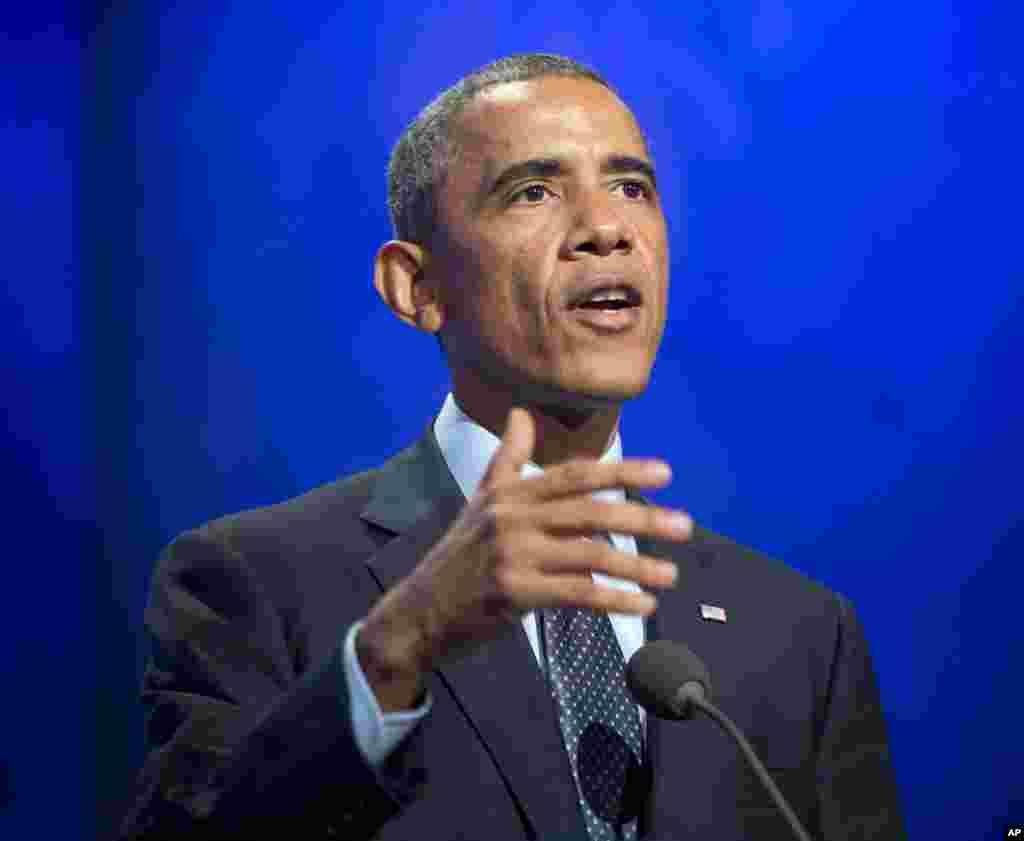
(660, 470)
(668, 568)
(680, 521)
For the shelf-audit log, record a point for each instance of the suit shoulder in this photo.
(320, 517)
(760, 572)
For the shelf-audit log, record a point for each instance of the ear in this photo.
(400, 278)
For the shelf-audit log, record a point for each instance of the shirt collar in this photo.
(468, 448)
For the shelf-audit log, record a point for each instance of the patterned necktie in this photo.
(599, 721)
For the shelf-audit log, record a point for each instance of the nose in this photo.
(599, 228)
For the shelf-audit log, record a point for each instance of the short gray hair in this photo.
(420, 159)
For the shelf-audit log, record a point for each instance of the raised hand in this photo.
(518, 545)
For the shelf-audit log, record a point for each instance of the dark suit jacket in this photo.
(249, 730)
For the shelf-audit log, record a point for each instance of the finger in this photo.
(585, 516)
(515, 450)
(534, 590)
(585, 556)
(585, 476)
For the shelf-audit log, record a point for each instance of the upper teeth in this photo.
(609, 295)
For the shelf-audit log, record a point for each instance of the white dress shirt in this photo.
(468, 449)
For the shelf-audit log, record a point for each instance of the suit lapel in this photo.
(499, 688)
(678, 618)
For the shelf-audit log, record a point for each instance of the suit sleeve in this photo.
(857, 792)
(239, 745)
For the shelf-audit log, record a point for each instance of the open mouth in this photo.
(605, 305)
(608, 299)
(608, 309)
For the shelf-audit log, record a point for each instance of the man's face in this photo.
(517, 248)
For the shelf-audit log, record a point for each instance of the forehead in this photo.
(551, 116)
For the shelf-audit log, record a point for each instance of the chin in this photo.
(594, 384)
(622, 380)
(617, 392)
(605, 391)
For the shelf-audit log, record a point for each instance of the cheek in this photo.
(528, 316)
(531, 269)
(465, 277)
(659, 251)
(491, 297)
(501, 286)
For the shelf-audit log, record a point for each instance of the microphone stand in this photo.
(723, 721)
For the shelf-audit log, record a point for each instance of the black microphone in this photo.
(671, 682)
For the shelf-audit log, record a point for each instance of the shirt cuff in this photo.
(377, 734)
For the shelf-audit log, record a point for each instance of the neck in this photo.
(563, 431)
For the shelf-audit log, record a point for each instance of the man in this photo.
(385, 656)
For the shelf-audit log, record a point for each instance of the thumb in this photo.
(515, 450)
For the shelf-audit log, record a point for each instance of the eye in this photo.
(636, 189)
(532, 191)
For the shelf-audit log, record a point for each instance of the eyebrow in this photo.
(551, 167)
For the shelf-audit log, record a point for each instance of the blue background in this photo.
(839, 384)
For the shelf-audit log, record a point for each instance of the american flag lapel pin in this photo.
(712, 612)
